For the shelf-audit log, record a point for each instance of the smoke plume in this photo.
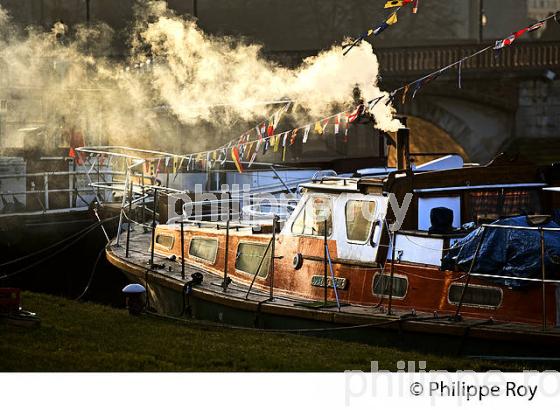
(175, 71)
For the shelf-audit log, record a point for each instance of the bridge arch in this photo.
(479, 129)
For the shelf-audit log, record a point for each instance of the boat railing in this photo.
(542, 280)
(49, 183)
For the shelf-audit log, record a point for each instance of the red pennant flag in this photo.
(236, 159)
(293, 137)
(357, 112)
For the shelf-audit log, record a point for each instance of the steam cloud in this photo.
(199, 79)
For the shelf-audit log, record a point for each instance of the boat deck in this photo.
(168, 274)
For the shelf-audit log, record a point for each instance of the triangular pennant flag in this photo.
(336, 124)
(270, 128)
(318, 129)
(397, 3)
(383, 26)
(285, 138)
(266, 145)
(417, 85)
(405, 92)
(253, 157)
(415, 6)
(375, 101)
(536, 26)
(249, 149)
(325, 123)
(236, 159)
(394, 3)
(357, 112)
(460, 74)
(306, 133)
(293, 136)
(276, 143)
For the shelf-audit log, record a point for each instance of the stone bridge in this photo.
(512, 95)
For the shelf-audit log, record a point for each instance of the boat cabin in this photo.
(380, 242)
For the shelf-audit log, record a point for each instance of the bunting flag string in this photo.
(392, 19)
(514, 36)
(421, 82)
(389, 21)
(242, 147)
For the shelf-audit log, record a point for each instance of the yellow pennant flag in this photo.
(276, 142)
(392, 20)
(394, 3)
(318, 128)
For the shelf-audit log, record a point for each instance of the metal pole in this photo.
(129, 218)
(182, 251)
(392, 275)
(272, 257)
(325, 276)
(333, 280)
(154, 227)
(478, 246)
(143, 197)
(98, 179)
(258, 269)
(281, 180)
(225, 284)
(126, 177)
(543, 271)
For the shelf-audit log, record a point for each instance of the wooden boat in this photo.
(282, 276)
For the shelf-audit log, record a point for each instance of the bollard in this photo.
(135, 295)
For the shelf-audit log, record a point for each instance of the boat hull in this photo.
(208, 302)
(64, 269)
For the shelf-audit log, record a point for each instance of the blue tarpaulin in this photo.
(508, 252)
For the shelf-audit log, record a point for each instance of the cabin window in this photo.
(204, 248)
(359, 218)
(166, 241)
(425, 206)
(476, 295)
(487, 206)
(381, 285)
(312, 217)
(250, 255)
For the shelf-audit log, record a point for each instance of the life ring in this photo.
(297, 262)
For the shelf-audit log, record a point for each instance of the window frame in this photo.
(251, 243)
(160, 245)
(489, 307)
(311, 197)
(395, 275)
(212, 262)
(371, 223)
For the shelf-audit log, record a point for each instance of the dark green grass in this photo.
(88, 337)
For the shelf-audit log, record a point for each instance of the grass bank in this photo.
(88, 337)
